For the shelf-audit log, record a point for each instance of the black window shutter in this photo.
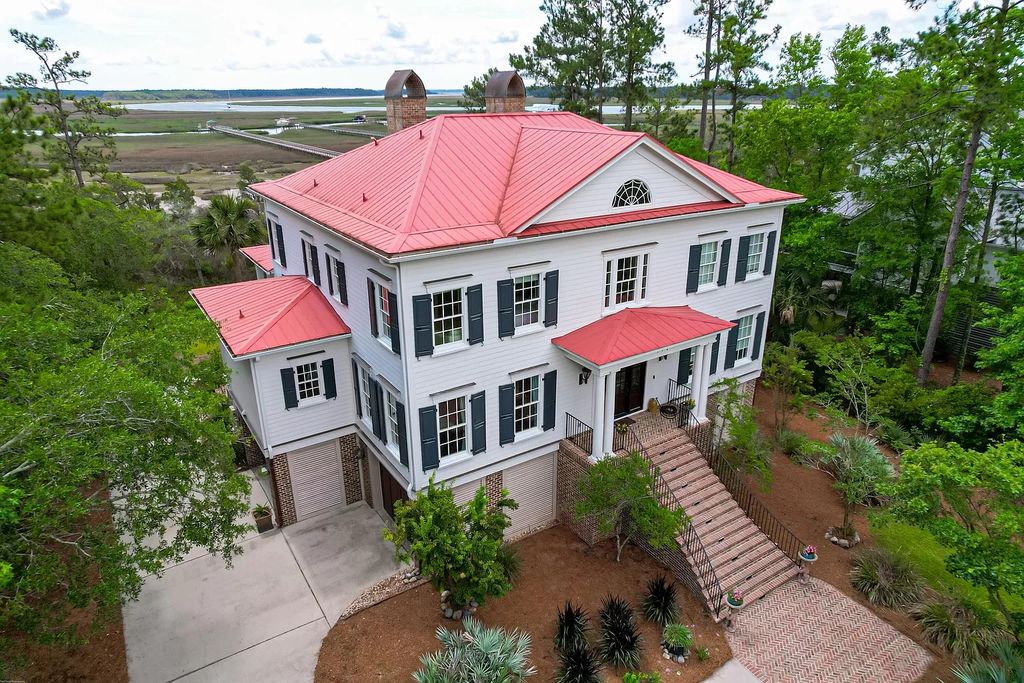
(381, 412)
(403, 435)
(371, 297)
(270, 232)
(506, 414)
(730, 345)
(330, 384)
(755, 350)
(396, 339)
(693, 269)
(550, 298)
(714, 354)
(478, 413)
(375, 408)
(549, 400)
(685, 363)
(314, 256)
(291, 398)
(330, 274)
(422, 322)
(475, 305)
(342, 282)
(769, 253)
(723, 263)
(280, 245)
(305, 258)
(741, 258)
(506, 309)
(428, 438)
(355, 388)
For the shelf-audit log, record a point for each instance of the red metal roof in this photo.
(459, 179)
(633, 331)
(626, 217)
(259, 315)
(260, 255)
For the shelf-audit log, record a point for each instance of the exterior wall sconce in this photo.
(585, 375)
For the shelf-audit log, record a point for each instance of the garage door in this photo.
(532, 485)
(463, 493)
(316, 478)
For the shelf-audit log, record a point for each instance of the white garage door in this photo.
(463, 493)
(316, 478)
(532, 485)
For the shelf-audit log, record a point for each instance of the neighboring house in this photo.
(447, 298)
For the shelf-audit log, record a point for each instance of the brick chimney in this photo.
(505, 93)
(406, 100)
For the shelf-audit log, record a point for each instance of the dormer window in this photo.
(632, 192)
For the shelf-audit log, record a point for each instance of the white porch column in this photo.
(696, 376)
(700, 411)
(609, 412)
(597, 424)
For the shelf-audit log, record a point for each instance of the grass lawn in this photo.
(384, 642)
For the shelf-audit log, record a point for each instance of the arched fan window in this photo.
(632, 192)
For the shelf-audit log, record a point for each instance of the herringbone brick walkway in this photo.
(813, 633)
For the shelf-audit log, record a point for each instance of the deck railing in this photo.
(677, 392)
(579, 433)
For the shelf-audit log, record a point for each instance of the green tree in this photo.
(457, 546)
(473, 99)
(1006, 358)
(81, 144)
(708, 26)
(859, 470)
(228, 225)
(179, 199)
(636, 34)
(478, 654)
(115, 444)
(789, 379)
(970, 501)
(247, 176)
(660, 112)
(621, 494)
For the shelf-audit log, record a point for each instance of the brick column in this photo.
(283, 490)
(573, 464)
(493, 483)
(364, 466)
(350, 449)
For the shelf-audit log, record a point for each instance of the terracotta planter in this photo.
(264, 522)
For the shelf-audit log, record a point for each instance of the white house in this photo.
(449, 300)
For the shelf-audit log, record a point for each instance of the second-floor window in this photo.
(384, 315)
(448, 313)
(392, 420)
(311, 262)
(307, 380)
(364, 393)
(708, 261)
(527, 403)
(336, 280)
(744, 334)
(451, 427)
(527, 300)
(625, 280)
(755, 252)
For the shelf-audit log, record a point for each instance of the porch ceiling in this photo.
(633, 332)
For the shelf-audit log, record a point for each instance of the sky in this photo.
(225, 44)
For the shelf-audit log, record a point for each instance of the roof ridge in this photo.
(508, 181)
(288, 306)
(421, 180)
(592, 131)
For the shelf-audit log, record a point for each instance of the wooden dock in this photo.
(340, 130)
(271, 140)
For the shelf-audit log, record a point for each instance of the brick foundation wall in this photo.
(572, 464)
(351, 448)
(364, 466)
(253, 455)
(405, 112)
(283, 489)
(493, 484)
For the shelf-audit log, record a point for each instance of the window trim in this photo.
(537, 403)
(758, 271)
(467, 452)
(309, 263)
(632, 184)
(319, 397)
(713, 282)
(391, 427)
(750, 318)
(380, 300)
(642, 278)
(538, 311)
(332, 260)
(364, 397)
(463, 341)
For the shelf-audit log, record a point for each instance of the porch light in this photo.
(585, 375)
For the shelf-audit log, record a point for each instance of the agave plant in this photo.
(1006, 666)
(578, 665)
(660, 604)
(621, 643)
(478, 653)
(571, 628)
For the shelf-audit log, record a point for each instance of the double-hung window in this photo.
(307, 382)
(391, 423)
(364, 395)
(447, 308)
(526, 300)
(708, 263)
(744, 334)
(336, 279)
(527, 404)
(625, 279)
(755, 254)
(383, 316)
(309, 260)
(452, 436)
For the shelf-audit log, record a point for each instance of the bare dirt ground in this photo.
(384, 642)
(101, 658)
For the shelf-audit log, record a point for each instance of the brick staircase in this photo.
(742, 556)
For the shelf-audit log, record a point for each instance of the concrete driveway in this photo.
(264, 618)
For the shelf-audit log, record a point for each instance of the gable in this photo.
(669, 186)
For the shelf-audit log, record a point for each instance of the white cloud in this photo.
(50, 10)
(312, 39)
(508, 37)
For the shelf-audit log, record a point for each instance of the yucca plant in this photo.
(578, 665)
(967, 631)
(1005, 666)
(660, 604)
(621, 643)
(571, 627)
(479, 654)
(885, 579)
(511, 563)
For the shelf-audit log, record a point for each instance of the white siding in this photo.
(244, 393)
(315, 474)
(532, 485)
(464, 493)
(667, 184)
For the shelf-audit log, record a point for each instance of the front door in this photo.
(390, 491)
(629, 389)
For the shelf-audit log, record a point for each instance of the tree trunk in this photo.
(706, 83)
(942, 295)
(734, 100)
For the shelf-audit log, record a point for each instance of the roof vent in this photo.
(406, 100)
(505, 92)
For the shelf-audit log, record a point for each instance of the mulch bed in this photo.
(384, 642)
(804, 500)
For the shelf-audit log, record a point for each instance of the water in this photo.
(226, 105)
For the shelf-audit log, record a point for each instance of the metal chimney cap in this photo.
(407, 80)
(505, 84)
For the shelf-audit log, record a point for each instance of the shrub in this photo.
(703, 654)
(478, 654)
(641, 677)
(578, 665)
(885, 579)
(511, 563)
(678, 637)
(790, 442)
(895, 436)
(859, 469)
(621, 643)
(571, 627)
(811, 453)
(660, 604)
(1007, 664)
(966, 630)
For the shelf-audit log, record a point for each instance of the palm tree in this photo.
(229, 224)
(859, 469)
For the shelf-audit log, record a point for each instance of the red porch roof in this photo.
(634, 331)
(260, 255)
(259, 315)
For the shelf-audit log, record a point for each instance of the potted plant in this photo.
(621, 427)
(734, 599)
(677, 640)
(689, 403)
(809, 554)
(264, 520)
